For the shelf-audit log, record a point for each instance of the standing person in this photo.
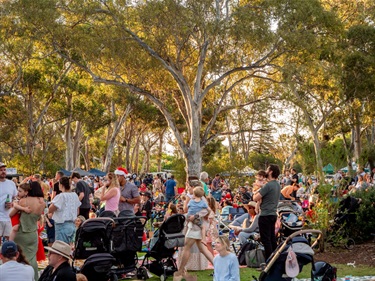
(129, 194)
(194, 232)
(111, 194)
(58, 268)
(56, 189)
(64, 211)
(8, 191)
(11, 269)
(226, 266)
(45, 186)
(27, 235)
(170, 188)
(83, 191)
(269, 194)
(204, 180)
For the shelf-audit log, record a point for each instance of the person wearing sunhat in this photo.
(129, 194)
(58, 268)
(11, 269)
(246, 232)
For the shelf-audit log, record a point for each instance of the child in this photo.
(195, 206)
(258, 184)
(50, 229)
(15, 214)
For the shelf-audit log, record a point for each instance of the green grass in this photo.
(248, 273)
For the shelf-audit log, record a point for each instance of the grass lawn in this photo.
(248, 273)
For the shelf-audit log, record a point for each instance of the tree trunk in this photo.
(319, 162)
(160, 150)
(77, 144)
(68, 137)
(357, 137)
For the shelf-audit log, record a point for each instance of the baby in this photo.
(261, 179)
(195, 207)
(15, 214)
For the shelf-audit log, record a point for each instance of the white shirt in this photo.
(67, 204)
(7, 187)
(15, 271)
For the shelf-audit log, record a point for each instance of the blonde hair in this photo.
(224, 240)
(113, 180)
(198, 191)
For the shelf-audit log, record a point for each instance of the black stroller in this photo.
(126, 241)
(92, 237)
(162, 248)
(93, 243)
(275, 269)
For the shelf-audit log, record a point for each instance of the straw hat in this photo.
(61, 248)
(252, 204)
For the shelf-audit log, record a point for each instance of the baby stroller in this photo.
(92, 237)
(291, 220)
(287, 261)
(98, 267)
(339, 232)
(126, 241)
(162, 248)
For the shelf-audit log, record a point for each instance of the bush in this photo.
(365, 220)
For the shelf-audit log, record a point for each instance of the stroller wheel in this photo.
(163, 277)
(350, 244)
(142, 273)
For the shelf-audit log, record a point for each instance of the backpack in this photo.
(255, 257)
(246, 247)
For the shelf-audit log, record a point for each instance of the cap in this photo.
(9, 247)
(61, 248)
(2, 165)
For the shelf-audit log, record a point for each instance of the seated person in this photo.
(246, 231)
(225, 211)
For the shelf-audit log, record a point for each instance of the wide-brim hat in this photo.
(252, 204)
(61, 248)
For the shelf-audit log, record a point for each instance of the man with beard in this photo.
(269, 194)
(8, 191)
(129, 192)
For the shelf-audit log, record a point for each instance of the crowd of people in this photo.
(60, 205)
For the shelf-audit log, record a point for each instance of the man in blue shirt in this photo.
(170, 189)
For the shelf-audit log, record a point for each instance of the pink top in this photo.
(112, 203)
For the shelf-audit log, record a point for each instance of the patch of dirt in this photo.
(361, 254)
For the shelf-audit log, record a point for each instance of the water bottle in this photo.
(7, 200)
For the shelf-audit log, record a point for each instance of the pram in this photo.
(98, 267)
(340, 232)
(162, 248)
(275, 269)
(92, 237)
(116, 239)
(291, 220)
(126, 241)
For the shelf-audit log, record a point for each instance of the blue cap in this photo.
(9, 247)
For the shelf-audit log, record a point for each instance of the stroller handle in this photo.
(305, 231)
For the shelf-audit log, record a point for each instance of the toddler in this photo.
(195, 206)
(15, 214)
(261, 179)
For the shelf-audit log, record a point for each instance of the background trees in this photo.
(102, 83)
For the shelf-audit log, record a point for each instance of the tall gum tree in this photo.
(181, 55)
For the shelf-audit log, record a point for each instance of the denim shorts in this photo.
(65, 231)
